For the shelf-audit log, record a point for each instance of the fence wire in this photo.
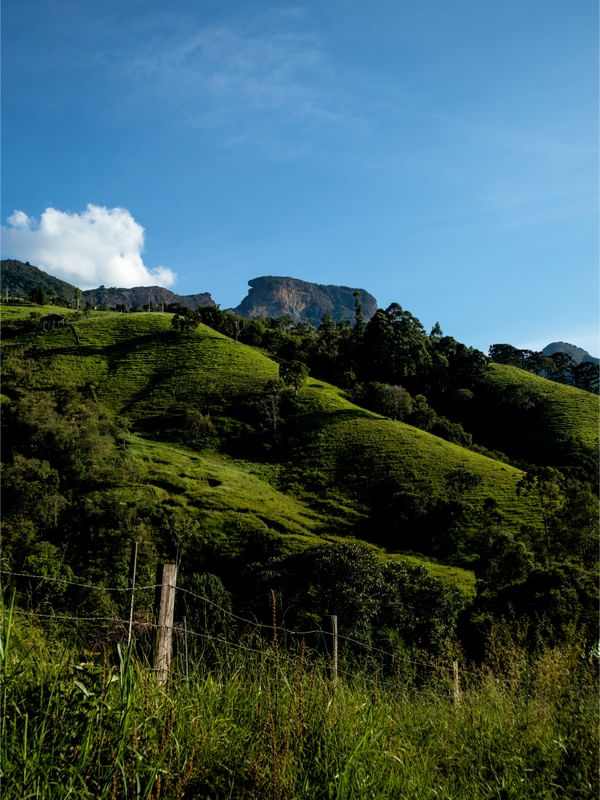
(326, 635)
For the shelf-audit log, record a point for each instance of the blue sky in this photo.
(443, 155)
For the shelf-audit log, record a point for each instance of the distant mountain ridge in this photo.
(272, 296)
(140, 296)
(19, 278)
(578, 354)
(268, 296)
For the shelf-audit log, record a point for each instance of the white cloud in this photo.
(98, 246)
(19, 219)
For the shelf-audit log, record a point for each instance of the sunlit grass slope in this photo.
(356, 448)
(233, 501)
(225, 496)
(141, 369)
(558, 412)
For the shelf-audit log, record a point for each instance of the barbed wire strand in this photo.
(227, 612)
(81, 585)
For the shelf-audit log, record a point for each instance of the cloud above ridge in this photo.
(97, 246)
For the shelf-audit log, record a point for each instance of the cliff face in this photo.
(140, 296)
(302, 301)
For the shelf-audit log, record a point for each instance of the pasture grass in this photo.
(354, 447)
(562, 412)
(263, 723)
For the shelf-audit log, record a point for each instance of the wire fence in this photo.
(253, 630)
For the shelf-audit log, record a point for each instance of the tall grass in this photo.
(264, 724)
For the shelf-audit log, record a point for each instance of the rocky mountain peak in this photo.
(272, 296)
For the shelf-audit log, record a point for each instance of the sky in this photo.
(441, 155)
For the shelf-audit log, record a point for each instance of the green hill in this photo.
(326, 478)
(534, 420)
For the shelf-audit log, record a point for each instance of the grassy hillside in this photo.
(533, 419)
(336, 469)
(562, 412)
(142, 368)
(119, 431)
(358, 449)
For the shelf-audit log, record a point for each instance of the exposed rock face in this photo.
(302, 301)
(140, 296)
(578, 354)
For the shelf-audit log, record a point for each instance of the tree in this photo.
(232, 325)
(37, 295)
(506, 354)
(211, 316)
(199, 426)
(271, 403)
(436, 333)
(422, 415)
(586, 375)
(342, 579)
(293, 373)
(328, 336)
(359, 317)
(393, 401)
(418, 607)
(544, 484)
(185, 321)
(564, 365)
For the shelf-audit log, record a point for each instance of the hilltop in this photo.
(18, 279)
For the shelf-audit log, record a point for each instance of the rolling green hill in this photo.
(562, 412)
(534, 420)
(326, 479)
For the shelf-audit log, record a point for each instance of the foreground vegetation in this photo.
(258, 723)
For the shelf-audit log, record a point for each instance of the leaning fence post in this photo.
(164, 638)
(133, 571)
(334, 636)
(456, 683)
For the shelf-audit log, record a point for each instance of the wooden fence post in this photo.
(164, 638)
(456, 683)
(133, 571)
(334, 635)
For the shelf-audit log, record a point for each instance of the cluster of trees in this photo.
(392, 348)
(41, 296)
(382, 604)
(560, 367)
